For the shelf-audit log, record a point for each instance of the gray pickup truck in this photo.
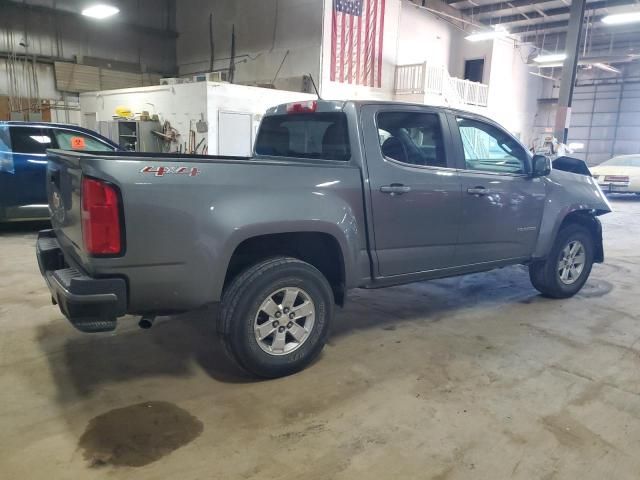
(338, 195)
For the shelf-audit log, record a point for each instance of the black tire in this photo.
(545, 275)
(241, 303)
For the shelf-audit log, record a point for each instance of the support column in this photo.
(569, 68)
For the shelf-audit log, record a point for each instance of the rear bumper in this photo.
(90, 304)
(617, 188)
(24, 213)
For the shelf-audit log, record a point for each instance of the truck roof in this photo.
(324, 106)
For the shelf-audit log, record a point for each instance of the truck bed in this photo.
(184, 215)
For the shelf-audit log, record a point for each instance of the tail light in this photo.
(302, 107)
(100, 218)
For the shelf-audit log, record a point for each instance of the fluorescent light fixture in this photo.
(550, 58)
(100, 11)
(622, 18)
(576, 146)
(498, 32)
(607, 68)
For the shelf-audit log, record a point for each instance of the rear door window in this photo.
(30, 140)
(314, 135)
(71, 140)
(413, 138)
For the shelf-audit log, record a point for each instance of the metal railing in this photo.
(423, 78)
(410, 78)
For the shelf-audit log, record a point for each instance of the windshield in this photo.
(623, 161)
(309, 135)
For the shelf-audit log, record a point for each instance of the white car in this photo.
(619, 175)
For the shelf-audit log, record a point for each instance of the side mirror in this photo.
(541, 166)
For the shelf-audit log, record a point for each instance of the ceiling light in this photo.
(552, 57)
(100, 11)
(607, 68)
(622, 18)
(498, 32)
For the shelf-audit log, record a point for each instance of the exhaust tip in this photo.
(146, 322)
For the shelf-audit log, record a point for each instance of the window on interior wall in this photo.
(473, 69)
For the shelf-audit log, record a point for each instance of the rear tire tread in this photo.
(233, 295)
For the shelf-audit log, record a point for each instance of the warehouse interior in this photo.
(476, 376)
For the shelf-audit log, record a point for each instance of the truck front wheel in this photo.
(568, 265)
(275, 316)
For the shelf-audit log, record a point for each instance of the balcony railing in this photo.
(422, 78)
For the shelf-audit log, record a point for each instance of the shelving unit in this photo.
(134, 135)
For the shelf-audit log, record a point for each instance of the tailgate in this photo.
(64, 180)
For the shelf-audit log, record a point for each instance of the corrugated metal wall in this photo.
(606, 119)
(605, 114)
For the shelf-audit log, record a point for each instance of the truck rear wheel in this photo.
(568, 265)
(275, 316)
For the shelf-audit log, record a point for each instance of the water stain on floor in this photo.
(137, 435)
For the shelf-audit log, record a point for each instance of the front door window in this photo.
(488, 149)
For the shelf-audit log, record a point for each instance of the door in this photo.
(25, 184)
(501, 204)
(474, 69)
(415, 192)
(234, 134)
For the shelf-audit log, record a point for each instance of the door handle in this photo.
(478, 191)
(395, 189)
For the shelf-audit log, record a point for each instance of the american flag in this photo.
(356, 42)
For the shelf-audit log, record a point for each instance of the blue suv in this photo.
(23, 163)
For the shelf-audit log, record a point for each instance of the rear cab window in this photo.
(320, 136)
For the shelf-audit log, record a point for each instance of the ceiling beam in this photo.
(541, 27)
(496, 7)
(598, 38)
(44, 10)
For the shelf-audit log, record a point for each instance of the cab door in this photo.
(501, 203)
(413, 186)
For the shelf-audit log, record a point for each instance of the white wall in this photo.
(184, 104)
(265, 31)
(181, 105)
(343, 91)
(463, 50)
(513, 92)
(424, 37)
(224, 97)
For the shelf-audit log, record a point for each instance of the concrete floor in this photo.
(475, 377)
